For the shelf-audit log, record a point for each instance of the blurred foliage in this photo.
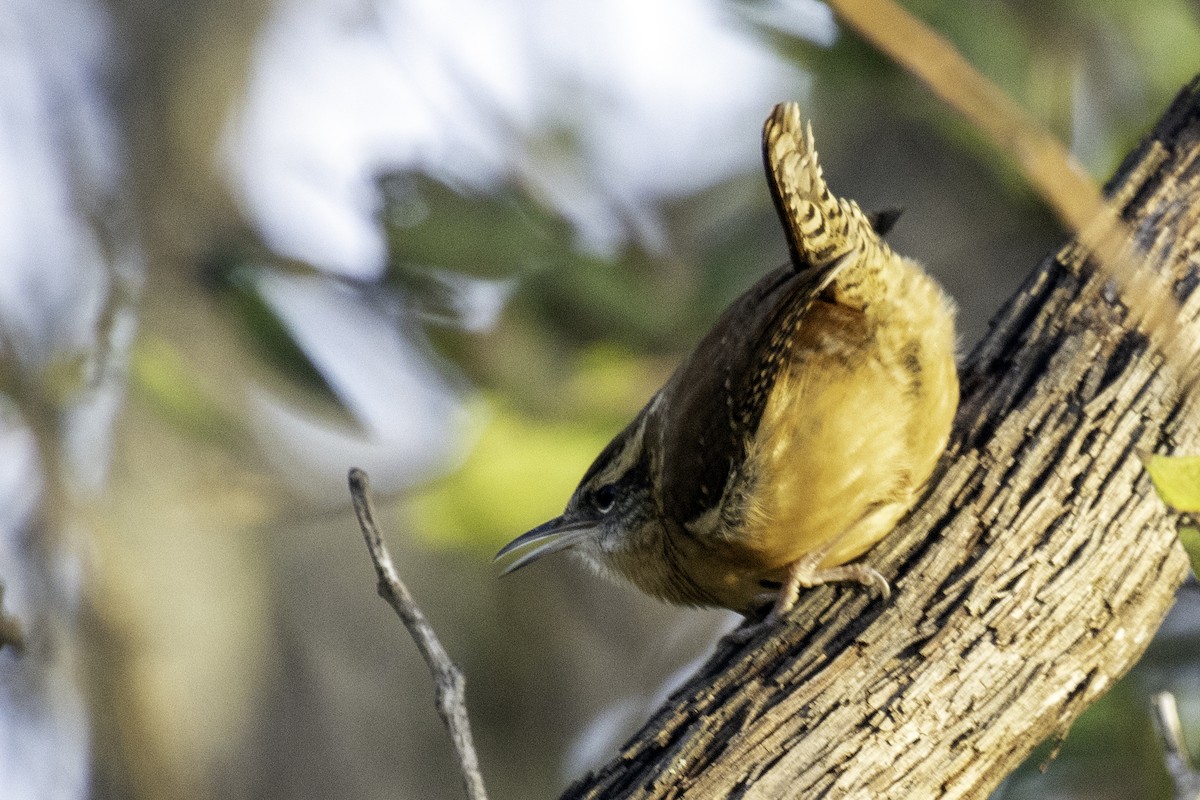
(634, 298)
(519, 467)
(237, 281)
(161, 373)
(1116, 62)
(584, 338)
(522, 465)
(1189, 537)
(1177, 480)
(1110, 752)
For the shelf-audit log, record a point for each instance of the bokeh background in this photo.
(458, 243)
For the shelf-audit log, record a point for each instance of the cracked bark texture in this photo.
(1032, 575)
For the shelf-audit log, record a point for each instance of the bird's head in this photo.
(612, 515)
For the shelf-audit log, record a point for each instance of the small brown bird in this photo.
(798, 432)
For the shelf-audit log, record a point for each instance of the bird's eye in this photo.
(605, 498)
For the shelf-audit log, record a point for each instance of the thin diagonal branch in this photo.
(448, 680)
(1048, 166)
(1175, 752)
(10, 628)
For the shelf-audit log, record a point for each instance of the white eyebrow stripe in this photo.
(626, 459)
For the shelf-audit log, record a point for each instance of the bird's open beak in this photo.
(557, 534)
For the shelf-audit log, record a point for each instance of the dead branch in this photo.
(448, 681)
(1175, 753)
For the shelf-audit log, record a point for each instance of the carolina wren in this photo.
(798, 432)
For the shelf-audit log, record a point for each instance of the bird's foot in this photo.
(805, 573)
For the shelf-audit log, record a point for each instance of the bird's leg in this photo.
(806, 572)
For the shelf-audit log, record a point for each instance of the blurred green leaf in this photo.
(521, 472)
(160, 372)
(1189, 537)
(633, 296)
(610, 384)
(64, 377)
(1166, 37)
(1176, 479)
(268, 334)
(492, 235)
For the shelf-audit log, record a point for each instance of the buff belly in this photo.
(843, 446)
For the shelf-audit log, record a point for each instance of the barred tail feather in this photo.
(821, 228)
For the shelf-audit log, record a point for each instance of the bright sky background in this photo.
(652, 100)
(474, 92)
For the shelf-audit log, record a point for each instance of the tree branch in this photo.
(1030, 578)
(449, 683)
(10, 628)
(1175, 752)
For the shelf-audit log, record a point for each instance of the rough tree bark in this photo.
(1031, 577)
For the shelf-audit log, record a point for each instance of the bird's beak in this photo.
(557, 534)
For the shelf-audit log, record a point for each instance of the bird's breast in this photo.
(854, 423)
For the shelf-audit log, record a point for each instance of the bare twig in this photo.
(448, 679)
(10, 628)
(1175, 752)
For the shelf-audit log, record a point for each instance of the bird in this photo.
(795, 436)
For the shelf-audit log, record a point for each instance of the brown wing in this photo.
(714, 401)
